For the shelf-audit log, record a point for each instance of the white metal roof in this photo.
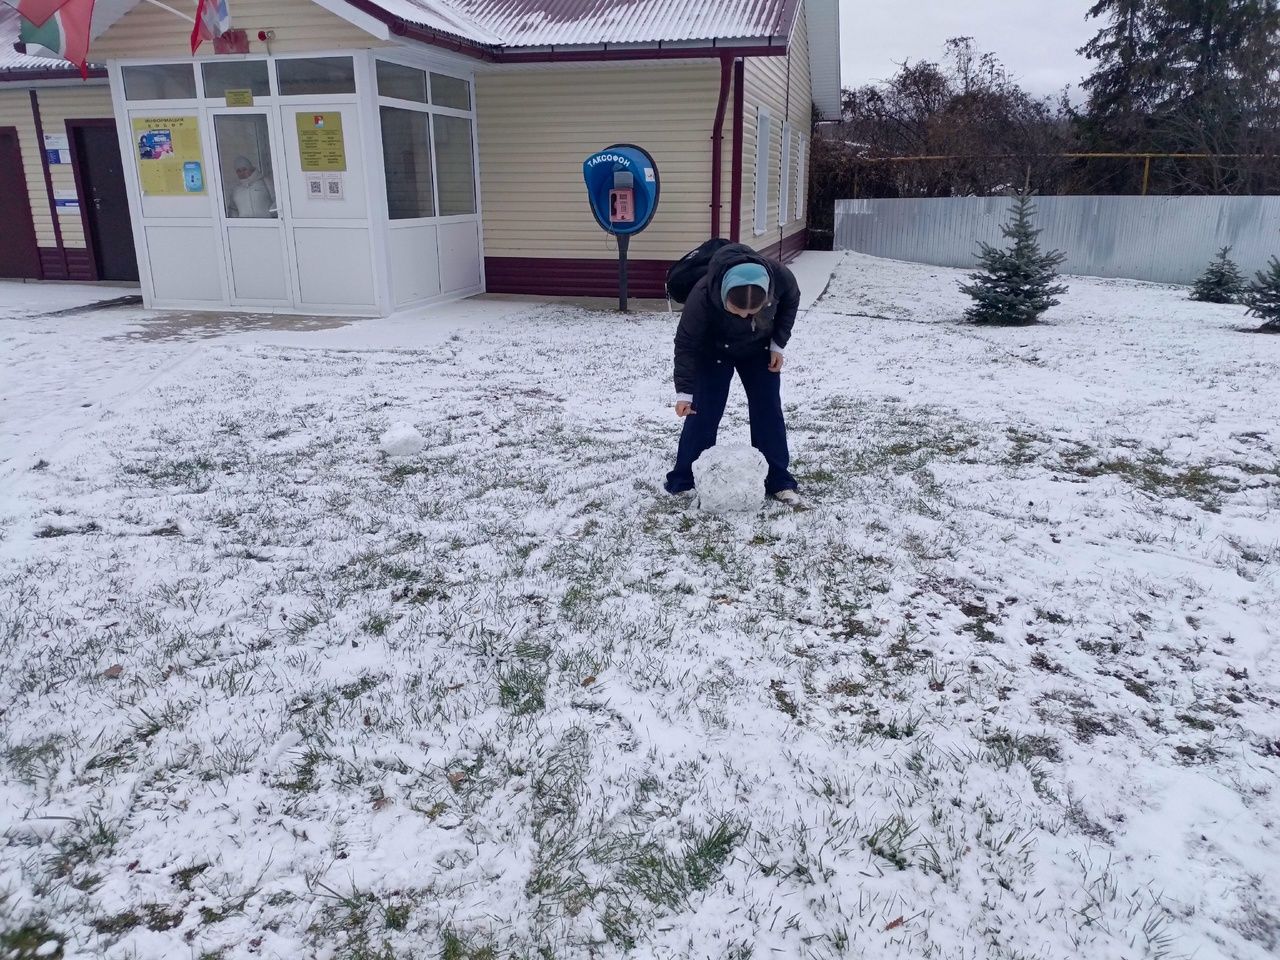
(557, 23)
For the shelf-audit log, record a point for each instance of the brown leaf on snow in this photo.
(588, 681)
(382, 803)
(895, 924)
(113, 671)
(457, 779)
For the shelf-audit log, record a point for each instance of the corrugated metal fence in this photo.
(1167, 239)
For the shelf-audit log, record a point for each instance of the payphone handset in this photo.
(622, 198)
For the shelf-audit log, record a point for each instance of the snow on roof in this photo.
(547, 23)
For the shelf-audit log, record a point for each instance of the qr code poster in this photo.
(315, 187)
(333, 186)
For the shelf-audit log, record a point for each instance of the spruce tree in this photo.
(1264, 297)
(1016, 285)
(1221, 281)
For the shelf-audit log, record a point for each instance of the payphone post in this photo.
(622, 189)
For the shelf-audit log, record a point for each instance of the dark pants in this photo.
(764, 405)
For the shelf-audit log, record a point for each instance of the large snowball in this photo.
(402, 441)
(730, 478)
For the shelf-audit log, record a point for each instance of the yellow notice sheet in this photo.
(320, 145)
(169, 157)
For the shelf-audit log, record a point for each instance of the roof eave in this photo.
(711, 48)
(38, 74)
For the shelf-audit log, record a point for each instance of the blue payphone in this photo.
(622, 188)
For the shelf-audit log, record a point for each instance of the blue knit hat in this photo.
(744, 275)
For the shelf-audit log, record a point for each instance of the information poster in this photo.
(169, 156)
(57, 147)
(320, 145)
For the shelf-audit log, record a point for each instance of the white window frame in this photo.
(764, 134)
(802, 150)
(433, 110)
(784, 181)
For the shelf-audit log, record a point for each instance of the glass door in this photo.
(254, 206)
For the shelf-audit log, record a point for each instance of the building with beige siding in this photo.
(63, 200)
(364, 156)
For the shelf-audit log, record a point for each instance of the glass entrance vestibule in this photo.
(341, 183)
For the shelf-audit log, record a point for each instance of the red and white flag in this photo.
(63, 30)
(37, 11)
(213, 19)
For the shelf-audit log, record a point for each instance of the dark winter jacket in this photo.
(708, 329)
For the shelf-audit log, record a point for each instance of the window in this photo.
(784, 178)
(450, 92)
(159, 81)
(244, 160)
(454, 165)
(801, 168)
(406, 155)
(763, 135)
(403, 83)
(309, 76)
(251, 75)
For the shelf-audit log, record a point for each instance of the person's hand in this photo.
(775, 361)
(684, 408)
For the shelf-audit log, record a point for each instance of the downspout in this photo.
(735, 203)
(717, 144)
(48, 186)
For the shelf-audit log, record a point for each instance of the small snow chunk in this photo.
(730, 478)
(286, 743)
(402, 440)
(48, 948)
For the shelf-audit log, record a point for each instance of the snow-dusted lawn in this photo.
(1009, 690)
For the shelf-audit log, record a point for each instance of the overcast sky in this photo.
(1035, 39)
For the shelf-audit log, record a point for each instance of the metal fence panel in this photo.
(1166, 239)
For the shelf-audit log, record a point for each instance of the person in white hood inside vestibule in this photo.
(252, 196)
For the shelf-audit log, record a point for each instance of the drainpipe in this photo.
(735, 203)
(717, 143)
(48, 186)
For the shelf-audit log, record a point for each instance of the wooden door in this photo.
(19, 254)
(100, 175)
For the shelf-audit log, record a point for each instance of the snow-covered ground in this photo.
(1008, 690)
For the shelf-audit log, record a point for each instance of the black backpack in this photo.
(689, 269)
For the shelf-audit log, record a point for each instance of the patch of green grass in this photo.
(1008, 747)
(186, 876)
(304, 778)
(888, 840)
(895, 728)
(34, 761)
(458, 948)
(1197, 723)
(522, 690)
(706, 853)
(28, 942)
(192, 473)
(783, 700)
(403, 471)
(1155, 474)
(980, 622)
(357, 688)
(50, 532)
(376, 625)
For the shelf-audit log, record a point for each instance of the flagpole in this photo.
(176, 13)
